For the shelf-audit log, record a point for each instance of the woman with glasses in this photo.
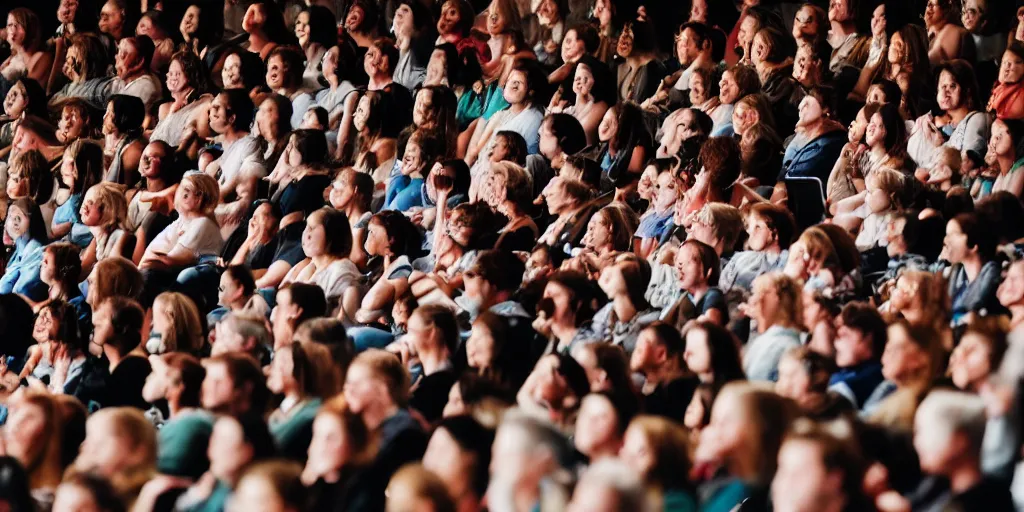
(188, 83)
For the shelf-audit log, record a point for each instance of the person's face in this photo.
(878, 21)
(583, 81)
(412, 160)
(603, 12)
(572, 47)
(894, 236)
(686, 47)
(759, 235)
(875, 95)
(231, 73)
(227, 340)
(805, 66)
(450, 18)
(66, 11)
(255, 492)
(16, 101)
(697, 353)
(562, 297)
(802, 483)
(17, 221)
(547, 13)
(932, 442)
(281, 371)
(858, 127)
(690, 268)
(48, 268)
(227, 451)
(764, 303)
(612, 281)
(496, 22)
(157, 382)
(805, 25)
(302, 28)
(838, 10)
(793, 380)
(852, 346)
(329, 64)
(421, 108)
(700, 230)
(218, 389)
(342, 192)
(145, 28)
(950, 95)
(228, 291)
(72, 63)
(46, 326)
(330, 447)
(516, 91)
(596, 426)
(190, 21)
(698, 89)
(729, 90)
(810, 111)
(1011, 291)
(624, 47)
(437, 69)
(897, 49)
(693, 417)
(759, 51)
(555, 197)
(954, 245)
(636, 451)
(875, 134)
(362, 114)
(609, 125)
(1001, 143)
(688, 127)
(377, 243)
(599, 232)
(103, 452)
(149, 164)
(745, 35)
(666, 191)
(970, 362)
(902, 358)
(446, 459)
(187, 198)
(1019, 34)
(70, 126)
(362, 388)
(276, 72)
(176, 81)
(267, 117)
(480, 346)
(934, 13)
(220, 114)
(403, 22)
(254, 18)
(743, 117)
(354, 18)
(728, 430)
(1011, 69)
(127, 60)
(111, 19)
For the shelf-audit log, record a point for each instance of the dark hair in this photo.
(710, 263)
(895, 128)
(501, 268)
(587, 33)
(284, 114)
(388, 50)
(94, 56)
(129, 112)
(826, 97)
(778, 219)
(337, 232)
(1015, 127)
(67, 263)
(866, 319)
(963, 74)
(89, 163)
(308, 297)
(322, 117)
(323, 27)
(979, 234)
(294, 63)
(242, 275)
(252, 69)
(33, 167)
(67, 317)
(99, 488)
(568, 131)
(722, 160)
(190, 375)
(195, 72)
(240, 105)
(145, 49)
(35, 96)
(604, 81)
(126, 319)
(16, 323)
(669, 337)
(257, 435)
(516, 147)
(632, 131)
(474, 438)
(462, 175)
(312, 146)
(443, 319)
(245, 371)
(36, 223)
(209, 26)
(371, 15)
(582, 294)
(404, 238)
(274, 27)
(363, 185)
(1001, 209)
(574, 374)
(645, 40)
(536, 80)
(724, 351)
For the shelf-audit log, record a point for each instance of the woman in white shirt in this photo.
(327, 242)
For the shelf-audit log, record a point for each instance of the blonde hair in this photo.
(116, 277)
(725, 220)
(889, 181)
(425, 486)
(518, 183)
(207, 188)
(284, 477)
(670, 448)
(109, 198)
(186, 334)
(767, 417)
(818, 245)
(131, 426)
(385, 366)
(790, 296)
(45, 456)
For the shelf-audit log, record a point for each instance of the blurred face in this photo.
(875, 134)
(188, 199)
(127, 61)
(697, 354)
(729, 90)
(609, 125)
(227, 339)
(852, 347)
(624, 47)
(572, 47)
(342, 192)
(583, 81)
(596, 427)
(728, 430)
(403, 22)
(636, 451)
(281, 379)
(666, 191)
(450, 18)
(547, 13)
(743, 117)
(446, 459)
(599, 232)
(276, 72)
(496, 22)
(362, 388)
(690, 268)
(412, 161)
(220, 114)
(66, 11)
(686, 47)
(218, 388)
(802, 483)
(70, 126)
(190, 21)
(314, 238)
(932, 441)
(156, 383)
(176, 81)
(480, 346)
(17, 222)
(878, 21)
(934, 13)
(970, 364)
(103, 451)
(612, 281)
(47, 270)
(254, 18)
(897, 49)
(255, 492)
(950, 95)
(362, 113)
(698, 89)
(376, 240)
(858, 127)
(227, 450)
(516, 88)
(745, 35)
(760, 236)
(838, 10)
(111, 19)
(1001, 143)
(145, 28)
(23, 433)
(603, 12)
(793, 380)
(555, 197)
(805, 66)
(562, 297)
(354, 18)
(16, 101)
(759, 51)
(902, 359)
(422, 109)
(1011, 69)
(805, 25)
(954, 245)
(231, 73)
(267, 118)
(764, 303)
(302, 28)
(74, 497)
(437, 73)
(73, 64)
(1011, 291)
(330, 447)
(329, 65)
(810, 111)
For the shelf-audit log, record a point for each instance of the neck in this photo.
(174, 407)
(181, 96)
(232, 135)
(155, 184)
(98, 231)
(913, 315)
(973, 267)
(638, 60)
(937, 26)
(563, 332)
(814, 129)
(375, 414)
(287, 92)
(57, 291)
(516, 108)
(322, 261)
(878, 152)
(134, 74)
(113, 357)
(842, 28)
(667, 372)
(964, 477)
(1004, 162)
(378, 81)
(353, 210)
(624, 308)
(257, 41)
(433, 360)
(698, 291)
(957, 114)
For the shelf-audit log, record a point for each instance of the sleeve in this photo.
(400, 269)
(976, 133)
(202, 238)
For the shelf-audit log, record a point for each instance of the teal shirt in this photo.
(183, 443)
(217, 500)
(726, 497)
(293, 433)
(679, 501)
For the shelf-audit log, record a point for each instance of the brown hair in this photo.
(361, 440)
(669, 445)
(768, 417)
(386, 367)
(426, 486)
(186, 334)
(116, 276)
